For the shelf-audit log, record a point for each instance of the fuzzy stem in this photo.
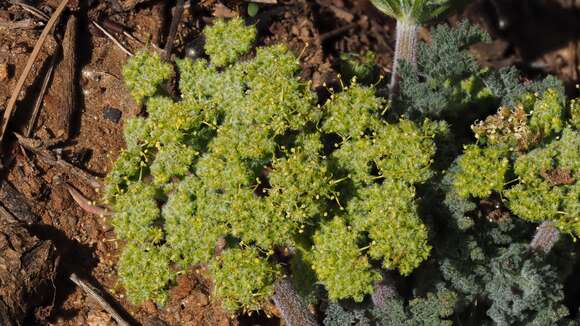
(383, 291)
(293, 310)
(546, 236)
(405, 49)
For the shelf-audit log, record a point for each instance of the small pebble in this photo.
(112, 114)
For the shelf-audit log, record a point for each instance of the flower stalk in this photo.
(384, 290)
(292, 308)
(546, 236)
(405, 49)
(410, 14)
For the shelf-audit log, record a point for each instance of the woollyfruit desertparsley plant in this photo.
(248, 175)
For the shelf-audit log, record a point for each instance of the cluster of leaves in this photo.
(447, 82)
(240, 168)
(538, 289)
(382, 162)
(446, 79)
(525, 163)
(432, 309)
(540, 146)
(490, 265)
(362, 67)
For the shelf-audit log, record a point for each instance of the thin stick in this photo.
(96, 294)
(40, 97)
(32, 10)
(27, 23)
(112, 38)
(334, 33)
(178, 12)
(268, 2)
(12, 102)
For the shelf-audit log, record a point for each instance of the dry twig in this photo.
(38, 103)
(334, 33)
(112, 38)
(268, 2)
(97, 295)
(12, 102)
(21, 24)
(32, 10)
(178, 12)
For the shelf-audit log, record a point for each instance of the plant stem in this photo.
(293, 310)
(405, 49)
(546, 236)
(384, 290)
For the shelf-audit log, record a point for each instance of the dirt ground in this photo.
(539, 37)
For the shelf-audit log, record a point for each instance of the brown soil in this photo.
(316, 30)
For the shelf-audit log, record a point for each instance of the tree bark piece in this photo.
(65, 75)
(14, 205)
(27, 268)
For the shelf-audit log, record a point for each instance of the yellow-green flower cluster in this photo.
(482, 171)
(541, 148)
(340, 264)
(388, 214)
(226, 41)
(549, 188)
(243, 279)
(144, 73)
